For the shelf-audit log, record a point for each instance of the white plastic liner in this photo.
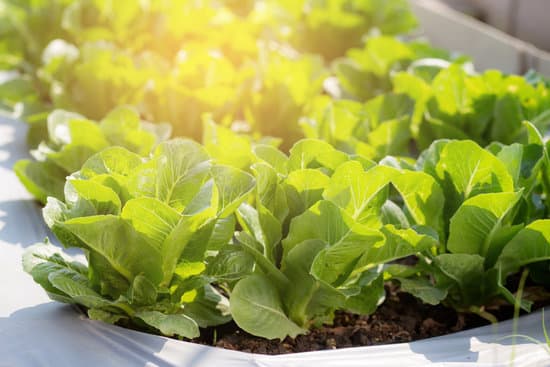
(37, 332)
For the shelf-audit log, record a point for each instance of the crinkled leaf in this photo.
(41, 260)
(230, 264)
(152, 218)
(467, 282)
(76, 287)
(105, 316)
(175, 174)
(113, 160)
(369, 298)
(86, 198)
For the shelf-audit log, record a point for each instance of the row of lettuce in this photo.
(450, 103)
(338, 149)
(257, 61)
(190, 237)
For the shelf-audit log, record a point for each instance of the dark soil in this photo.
(401, 318)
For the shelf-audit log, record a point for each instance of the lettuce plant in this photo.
(71, 139)
(192, 237)
(366, 72)
(93, 79)
(92, 56)
(450, 104)
(146, 227)
(316, 236)
(27, 27)
(375, 129)
(330, 28)
(179, 235)
(267, 93)
(494, 223)
(202, 81)
(280, 94)
(484, 107)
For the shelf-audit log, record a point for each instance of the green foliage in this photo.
(295, 239)
(366, 72)
(243, 62)
(490, 226)
(180, 236)
(406, 108)
(374, 130)
(146, 227)
(330, 28)
(319, 235)
(71, 139)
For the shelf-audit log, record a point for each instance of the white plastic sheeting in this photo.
(37, 332)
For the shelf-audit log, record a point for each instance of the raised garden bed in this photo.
(418, 182)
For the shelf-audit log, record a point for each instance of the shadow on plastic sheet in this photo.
(52, 334)
(21, 220)
(13, 137)
(459, 347)
(21, 223)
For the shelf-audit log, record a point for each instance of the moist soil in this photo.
(401, 318)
